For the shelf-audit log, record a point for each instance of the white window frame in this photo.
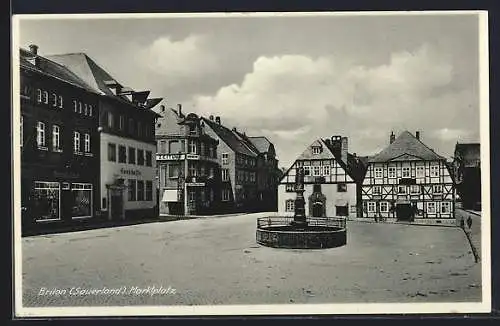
(90, 110)
(45, 97)
(56, 138)
(420, 171)
(402, 187)
(44, 185)
(225, 174)
(434, 171)
(289, 205)
(84, 186)
(192, 146)
(377, 192)
(413, 187)
(406, 172)
(371, 207)
(76, 142)
(225, 158)
(39, 95)
(384, 207)
(86, 109)
(87, 143)
(326, 170)
(433, 205)
(437, 189)
(391, 172)
(54, 100)
(316, 171)
(225, 195)
(378, 172)
(40, 135)
(445, 207)
(307, 170)
(316, 150)
(80, 107)
(75, 106)
(60, 101)
(111, 122)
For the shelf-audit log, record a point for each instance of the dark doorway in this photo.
(116, 204)
(404, 212)
(317, 210)
(176, 208)
(341, 210)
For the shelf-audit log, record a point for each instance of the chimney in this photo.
(234, 129)
(34, 49)
(343, 149)
(392, 138)
(417, 135)
(217, 119)
(211, 118)
(179, 109)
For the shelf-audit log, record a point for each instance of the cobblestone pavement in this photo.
(216, 261)
(475, 230)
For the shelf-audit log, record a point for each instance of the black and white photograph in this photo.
(251, 163)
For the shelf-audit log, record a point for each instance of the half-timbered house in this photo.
(332, 178)
(408, 181)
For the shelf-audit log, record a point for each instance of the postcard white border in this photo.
(281, 309)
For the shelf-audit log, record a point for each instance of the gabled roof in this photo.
(52, 69)
(325, 153)
(354, 167)
(261, 143)
(468, 151)
(229, 137)
(404, 148)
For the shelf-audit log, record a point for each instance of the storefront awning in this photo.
(169, 195)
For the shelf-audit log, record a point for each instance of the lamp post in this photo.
(299, 216)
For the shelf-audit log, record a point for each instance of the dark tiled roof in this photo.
(262, 144)
(53, 69)
(406, 148)
(230, 138)
(468, 151)
(354, 167)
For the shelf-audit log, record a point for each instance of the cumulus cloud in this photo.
(178, 60)
(292, 96)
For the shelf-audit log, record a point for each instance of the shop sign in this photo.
(169, 157)
(130, 172)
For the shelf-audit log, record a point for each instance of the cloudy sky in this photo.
(294, 79)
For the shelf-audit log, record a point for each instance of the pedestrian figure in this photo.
(376, 219)
(462, 223)
(469, 221)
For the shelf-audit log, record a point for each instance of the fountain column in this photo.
(299, 216)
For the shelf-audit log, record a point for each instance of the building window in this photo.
(139, 129)
(420, 171)
(378, 173)
(326, 170)
(406, 172)
(415, 189)
(341, 187)
(131, 190)
(54, 100)
(392, 172)
(76, 142)
(211, 172)
(192, 147)
(40, 134)
(122, 122)
(173, 170)
(45, 97)
(131, 155)
(82, 200)
(140, 190)
(225, 158)
(60, 101)
(111, 152)
(47, 200)
(402, 190)
(445, 207)
(225, 194)
(371, 207)
(149, 158)
(307, 170)
(75, 106)
(434, 171)
(290, 187)
(437, 189)
(39, 95)
(149, 190)
(431, 207)
(90, 110)
(192, 169)
(122, 154)
(140, 157)
(316, 150)
(290, 205)
(80, 106)
(376, 190)
(103, 203)
(225, 174)
(384, 207)
(56, 136)
(86, 109)
(316, 171)
(110, 120)
(87, 143)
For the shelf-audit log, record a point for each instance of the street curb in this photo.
(477, 257)
(471, 212)
(405, 223)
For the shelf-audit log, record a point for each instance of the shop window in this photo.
(82, 200)
(46, 200)
(131, 190)
(140, 190)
